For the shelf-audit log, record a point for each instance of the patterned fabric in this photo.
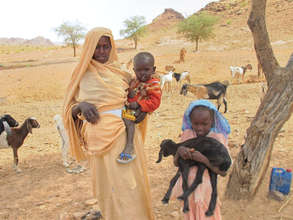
(221, 124)
(147, 94)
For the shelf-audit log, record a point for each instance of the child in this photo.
(201, 118)
(144, 96)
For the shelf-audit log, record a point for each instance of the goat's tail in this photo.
(160, 156)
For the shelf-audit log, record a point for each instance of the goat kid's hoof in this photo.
(17, 170)
(165, 201)
(185, 210)
(209, 213)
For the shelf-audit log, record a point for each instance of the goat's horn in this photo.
(160, 156)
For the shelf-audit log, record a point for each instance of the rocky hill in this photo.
(231, 30)
(37, 41)
(168, 18)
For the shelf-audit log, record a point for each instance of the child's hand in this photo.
(185, 152)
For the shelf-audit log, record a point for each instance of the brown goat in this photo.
(17, 136)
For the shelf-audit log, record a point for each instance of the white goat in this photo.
(65, 146)
(180, 77)
(236, 70)
(168, 80)
(64, 139)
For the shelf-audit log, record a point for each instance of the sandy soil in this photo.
(44, 190)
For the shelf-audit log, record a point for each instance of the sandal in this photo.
(128, 157)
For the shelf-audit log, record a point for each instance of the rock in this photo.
(91, 202)
(78, 215)
(66, 216)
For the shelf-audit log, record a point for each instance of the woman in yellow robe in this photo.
(92, 115)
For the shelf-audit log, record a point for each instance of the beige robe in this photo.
(122, 190)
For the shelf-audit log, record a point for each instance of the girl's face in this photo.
(201, 121)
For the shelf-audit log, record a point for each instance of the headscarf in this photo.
(91, 40)
(220, 124)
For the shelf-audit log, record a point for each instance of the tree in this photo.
(134, 29)
(198, 27)
(254, 157)
(72, 33)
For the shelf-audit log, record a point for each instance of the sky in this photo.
(31, 18)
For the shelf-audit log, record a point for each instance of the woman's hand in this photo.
(88, 110)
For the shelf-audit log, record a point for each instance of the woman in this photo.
(92, 115)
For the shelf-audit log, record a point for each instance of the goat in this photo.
(65, 146)
(6, 122)
(168, 80)
(182, 55)
(240, 70)
(214, 90)
(182, 76)
(169, 68)
(218, 156)
(64, 138)
(17, 136)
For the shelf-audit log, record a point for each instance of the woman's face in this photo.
(103, 50)
(201, 121)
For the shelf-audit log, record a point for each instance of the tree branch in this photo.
(290, 63)
(263, 49)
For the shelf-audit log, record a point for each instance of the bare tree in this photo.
(254, 157)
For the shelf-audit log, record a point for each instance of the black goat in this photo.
(9, 120)
(214, 90)
(218, 156)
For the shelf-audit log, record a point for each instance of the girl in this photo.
(201, 118)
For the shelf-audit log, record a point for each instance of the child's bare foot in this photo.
(127, 154)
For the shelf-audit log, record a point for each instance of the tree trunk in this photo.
(74, 50)
(135, 42)
(254, 157)
(196, 43)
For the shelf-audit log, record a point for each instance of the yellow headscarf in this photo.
(91, 40)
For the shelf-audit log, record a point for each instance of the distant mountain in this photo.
(37, 41)
(168, 18)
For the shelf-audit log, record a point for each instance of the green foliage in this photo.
(198, 27)
(71, 32)
(228, 22)
(134, 28)
(243, 4)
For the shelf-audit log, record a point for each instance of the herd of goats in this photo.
(12, 135)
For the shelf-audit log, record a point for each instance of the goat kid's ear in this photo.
(30, 127)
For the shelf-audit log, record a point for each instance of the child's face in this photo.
(144, 69)
(201, 121)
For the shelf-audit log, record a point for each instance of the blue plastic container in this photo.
(281, 180)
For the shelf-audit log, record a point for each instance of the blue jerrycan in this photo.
(280, 180)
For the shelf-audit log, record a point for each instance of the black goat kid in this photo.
(218, 156)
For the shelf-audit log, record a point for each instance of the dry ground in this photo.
(44, 190)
